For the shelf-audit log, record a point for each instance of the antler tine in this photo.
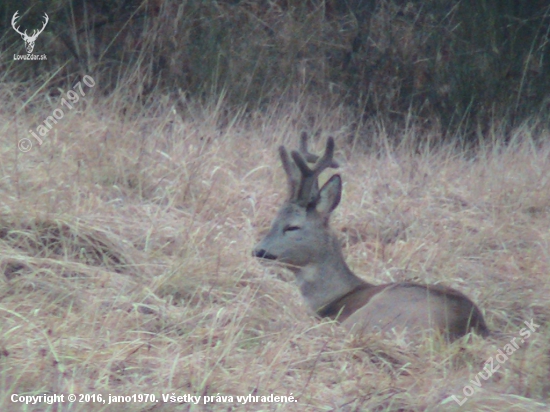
(309, 187)
(310, 157)
(14, 22)
(292, 173)
(302, 180)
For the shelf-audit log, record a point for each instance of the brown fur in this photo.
(422, 308)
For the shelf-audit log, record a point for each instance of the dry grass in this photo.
(125, 251)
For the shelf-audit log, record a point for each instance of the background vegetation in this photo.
(468, 69)
(125, 234)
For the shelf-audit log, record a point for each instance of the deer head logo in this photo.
(29, 40)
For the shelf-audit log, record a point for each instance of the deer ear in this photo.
(329, 196)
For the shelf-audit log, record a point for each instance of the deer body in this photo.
(300, 239)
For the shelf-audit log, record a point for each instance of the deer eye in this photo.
(291, 228)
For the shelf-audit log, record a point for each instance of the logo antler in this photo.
(29, 40)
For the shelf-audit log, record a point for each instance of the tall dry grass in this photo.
(125, 246)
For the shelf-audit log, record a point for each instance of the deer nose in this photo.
(263, 254)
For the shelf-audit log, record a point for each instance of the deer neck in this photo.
(328, 280)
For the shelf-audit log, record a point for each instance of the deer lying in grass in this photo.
(301, 240)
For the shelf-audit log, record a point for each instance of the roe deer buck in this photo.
(301, 240)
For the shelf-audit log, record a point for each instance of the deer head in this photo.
(29, 40)
(300, 235)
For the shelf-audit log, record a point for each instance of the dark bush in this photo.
(463, 68)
